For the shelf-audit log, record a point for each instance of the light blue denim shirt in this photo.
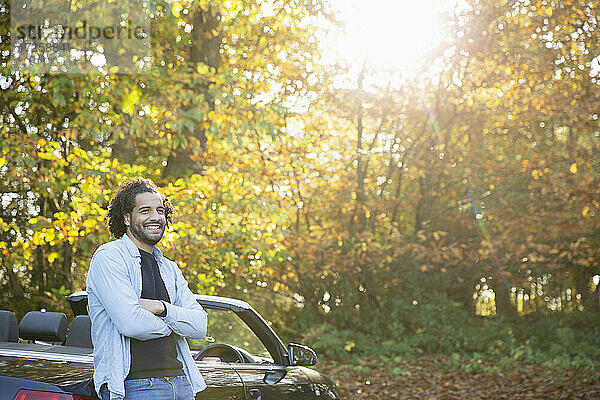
(114, 286)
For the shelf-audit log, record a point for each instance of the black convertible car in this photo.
(240, 358)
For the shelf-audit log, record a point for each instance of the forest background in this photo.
(367, 214)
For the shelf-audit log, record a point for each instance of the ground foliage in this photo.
(431, 377)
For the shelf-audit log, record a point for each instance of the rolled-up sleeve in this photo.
(185, 316)
(109, 282)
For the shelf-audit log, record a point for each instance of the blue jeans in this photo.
(165, 388)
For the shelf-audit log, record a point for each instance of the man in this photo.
(140, 305)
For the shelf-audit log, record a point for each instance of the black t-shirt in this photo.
(155, 357)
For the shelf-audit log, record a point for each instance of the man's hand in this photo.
(154, 306)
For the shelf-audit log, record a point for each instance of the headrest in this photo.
(46, 326)
(78, 302)
(80, 333)
(9, 328)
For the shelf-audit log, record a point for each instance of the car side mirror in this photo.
(300, 355)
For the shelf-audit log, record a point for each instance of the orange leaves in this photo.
(456, 252)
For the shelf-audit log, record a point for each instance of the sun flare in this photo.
(390, 34)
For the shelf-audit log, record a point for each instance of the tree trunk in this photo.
(206, 42)
(67, 270)
(357, 218)
(17, 289)
(596, 305)
(419, 206)
(504, 307)
(580, 287)
(123, 150)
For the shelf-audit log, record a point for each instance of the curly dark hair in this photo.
(123, 202)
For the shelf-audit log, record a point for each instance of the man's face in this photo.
(147, 220)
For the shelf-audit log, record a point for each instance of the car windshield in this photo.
(225, 327)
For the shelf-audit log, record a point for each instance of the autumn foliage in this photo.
(388, 212)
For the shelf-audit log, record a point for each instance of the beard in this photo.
(140, 233)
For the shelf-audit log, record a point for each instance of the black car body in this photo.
(241, 358)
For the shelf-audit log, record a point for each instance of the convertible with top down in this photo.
(240, 358)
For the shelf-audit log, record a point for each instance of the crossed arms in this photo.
(135, 317)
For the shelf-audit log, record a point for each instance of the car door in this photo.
(272, 382)
(223, 382)
(237, 337)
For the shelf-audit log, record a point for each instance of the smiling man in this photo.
(140, 305)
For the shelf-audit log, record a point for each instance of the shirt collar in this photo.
(135, 252)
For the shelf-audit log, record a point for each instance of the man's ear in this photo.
(126, 219)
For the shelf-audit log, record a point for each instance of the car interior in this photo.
(47, 331)
(226, 341)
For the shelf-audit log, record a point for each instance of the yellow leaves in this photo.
(288, 276)
(349, 346)
(585, 212)
(52, 257)
(38, 238)
(573, 168)
(46, 155)
(202, 68)
(437, 235)
(536, 174)
(60, 216)
(2, 161)
(130, 100)
(176, 10)
(89, 224)
(423, 268)
(49, 235)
